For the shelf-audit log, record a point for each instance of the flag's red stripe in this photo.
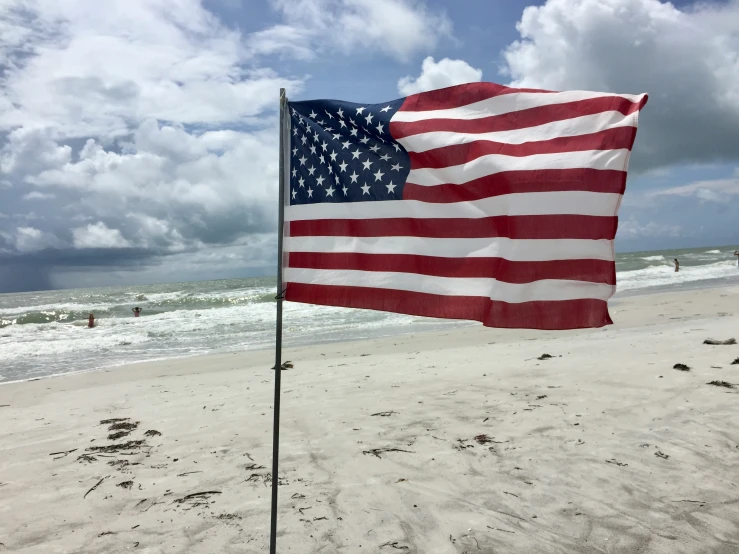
(521, 119)
(560, 226)
(595, 271)
(511, 182)
(546, 315)
(458, 154)
(456, 96)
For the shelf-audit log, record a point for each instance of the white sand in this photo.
(545, 483)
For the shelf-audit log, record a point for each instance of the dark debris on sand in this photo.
(396, 545)
(86, 458)
(120, 465)
(197, 496)
(228, 517)
(724, 384)
(123, 426)
(378, 451)
(114, 420)
(483, 439)
(727, 342)
(115, 448)
(681, 367)
(545, 357)
(735, 362)
(153, 433)
(125, 484)
(118, 435)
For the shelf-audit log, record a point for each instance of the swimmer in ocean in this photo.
(677, 265)
(91, 321)
(736, 253)
(136, 311)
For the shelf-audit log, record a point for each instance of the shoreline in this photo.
(617, 300)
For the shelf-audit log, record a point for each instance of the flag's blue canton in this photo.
(343, 152)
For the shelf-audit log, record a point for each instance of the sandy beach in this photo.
(444, 442)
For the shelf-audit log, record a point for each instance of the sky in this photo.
(139, 141)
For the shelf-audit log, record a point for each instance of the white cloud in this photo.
(98, 236)
(441, 74)
(688, 61)
(87, 90)
(399, 28)
(30, 239)
(167, 166)
(716, 190)
(631, 228)
(286, 40)
(91, 68)
(35, 195)
(30, 150)
(708, 195)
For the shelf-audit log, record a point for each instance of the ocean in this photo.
(45, 333)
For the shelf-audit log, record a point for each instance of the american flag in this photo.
(478, 202)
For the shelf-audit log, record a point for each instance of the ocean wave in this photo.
(155, 304)
(663, 275)
(46, 316)
(653, 258)
(712, 252)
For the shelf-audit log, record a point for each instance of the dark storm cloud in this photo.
(34, 270)
(23, 277)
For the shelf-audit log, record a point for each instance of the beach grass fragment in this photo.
(62, 454)
(96, 485)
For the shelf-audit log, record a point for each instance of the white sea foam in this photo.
(653, 258)
(665, 275)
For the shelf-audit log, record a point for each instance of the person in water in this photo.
(736, 253)
(136, 311)
(677, 265)
(91, 321)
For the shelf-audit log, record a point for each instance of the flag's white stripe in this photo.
(549, 289)
(526, 203)
(507, 103)
(496, 163)
(576, 126)
(515, 250)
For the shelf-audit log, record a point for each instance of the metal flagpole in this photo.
(278, 328)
